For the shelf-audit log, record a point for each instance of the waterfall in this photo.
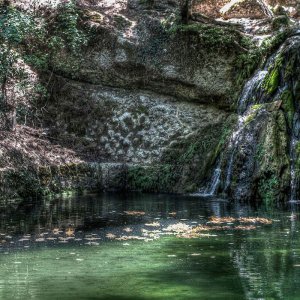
(214, 183)
(295, 138)
(246, 99)
(212, 188)
(294, 144)
(257, 103)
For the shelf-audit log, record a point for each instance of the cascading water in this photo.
(247, 97)
(295, 138)
(256, 105)
(215, 181)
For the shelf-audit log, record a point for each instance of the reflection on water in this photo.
(137, 246)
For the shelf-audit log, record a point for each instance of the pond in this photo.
(137, 246)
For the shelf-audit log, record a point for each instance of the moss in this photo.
(249, 61)
(268, 189)
(257, 106)
(209, 35)
(24, 183)
(224, 137)
(157, 178)
(254, 110)
(193, 158)
(272, 160)
(34, 183)
(246, 63)
(272, 79)
(260, 152)
(288, 106)
(249, 118)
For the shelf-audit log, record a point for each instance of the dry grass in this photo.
(27, 146)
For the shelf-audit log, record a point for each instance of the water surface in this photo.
(113, 246)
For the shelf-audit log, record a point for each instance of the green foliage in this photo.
(35, 41)
(280, 22)
(17, 27)
(24, 182)
(67, 33)
(39, 39)
(37, 60)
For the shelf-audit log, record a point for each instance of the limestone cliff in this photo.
(132, 97)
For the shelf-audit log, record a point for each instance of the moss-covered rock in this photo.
(273, 165)
(272, 79)
(288, 106)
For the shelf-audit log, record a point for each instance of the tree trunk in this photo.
(8, 102)
(186, 10)
(265, 8)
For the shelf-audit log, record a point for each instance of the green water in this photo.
(39, 260)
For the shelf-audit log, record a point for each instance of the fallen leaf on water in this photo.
(40, 240)
(131, 237)
(56, 231)
(127, 229)
(91, 239)
(178, 227)
(249, 227)
(110, 236)
(154, 224)
(134, 213)
(70, 231)
(24, 240)
(201, 228)
(92, 243)
(218, 220)
(255, 220)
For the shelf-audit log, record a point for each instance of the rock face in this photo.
(148, 93)
(147, 104)
(121, 125)
(148, 98)
(143, 54)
